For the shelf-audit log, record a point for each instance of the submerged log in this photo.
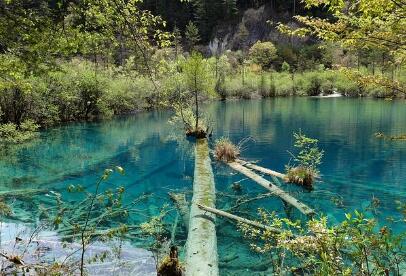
(303, 208)
(182, 206)
(261, 169)
(22, 192)
(239, 219)
(201, 246)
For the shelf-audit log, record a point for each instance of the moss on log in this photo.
(201, 245)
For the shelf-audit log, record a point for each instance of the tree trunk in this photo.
(197, 111)
(201, 246)
(304, 209)
(261, 169)
(239, 219)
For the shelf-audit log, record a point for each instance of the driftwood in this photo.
(239, 219)
(272, 188)
(182, 206)
(261, 169)
(201, 246)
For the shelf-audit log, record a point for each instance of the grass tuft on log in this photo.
(226, 151)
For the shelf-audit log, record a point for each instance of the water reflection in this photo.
(158, 159)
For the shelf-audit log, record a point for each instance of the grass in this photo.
(226, 151)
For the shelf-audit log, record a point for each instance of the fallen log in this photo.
(182, 206)
(201, 245)
(174, 227)
(303, 208)
(243, 201)
(21, 192)
(239, 219)
(261, 169)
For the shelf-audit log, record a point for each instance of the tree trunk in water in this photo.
(197, 111)
(239, 219)
(201, 246)
(182, 206)
(261, 169)
(304, 209)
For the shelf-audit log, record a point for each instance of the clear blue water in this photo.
(157, 159)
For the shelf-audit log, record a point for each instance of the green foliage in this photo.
(196, 74)
(12, 134)
(192, 35)
(40, 33)
(356, 246)
(263, 53)
(365, 28)
(309, 155)
(285, 67)
(197, 79)
(262, 87)
(85, 220)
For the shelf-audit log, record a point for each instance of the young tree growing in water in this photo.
(198, 84)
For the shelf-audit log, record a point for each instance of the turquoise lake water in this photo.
(158, 159)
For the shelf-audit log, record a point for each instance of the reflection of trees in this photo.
(80, 148)
(344, 127)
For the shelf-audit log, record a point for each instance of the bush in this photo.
(314, 85)
(285, 67)
(12, 134)
(300, 175)
(235, 88)
(263, 89)
(358, 245)
(306, 161)
(263, 53)
(283, 84)
(346, 86)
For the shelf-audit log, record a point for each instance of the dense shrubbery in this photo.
(76, 91)
(12, 134)
(263, 53)
(81, 90)
(358, 245)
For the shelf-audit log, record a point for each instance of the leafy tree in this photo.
(263, 53)
(192, 35)
(230, 8)
(376, 24)
(285, 67)
(197, 81)
(177, 40)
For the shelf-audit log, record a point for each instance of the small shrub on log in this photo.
(306, 161)
(301, 175)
